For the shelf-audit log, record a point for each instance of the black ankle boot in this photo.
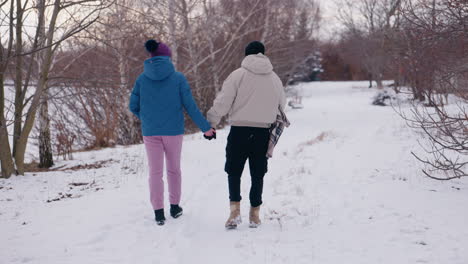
(176, 210)
(159, 216)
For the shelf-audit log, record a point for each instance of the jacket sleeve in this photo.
(191, 107)
(282, 98)
(134, 104)
(223, 101)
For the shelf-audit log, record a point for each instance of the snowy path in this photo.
(342, 188)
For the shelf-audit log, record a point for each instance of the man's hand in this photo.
(210, 134)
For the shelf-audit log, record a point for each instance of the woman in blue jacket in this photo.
(158, 99)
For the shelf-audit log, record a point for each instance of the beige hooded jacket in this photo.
(251, 95)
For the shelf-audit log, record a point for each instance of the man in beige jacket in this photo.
(251, 96)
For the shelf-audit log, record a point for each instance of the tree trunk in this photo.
(418, 94)
(18, 113)
(46, 159)
(128, 127)
(41, 85)
(377, 75)
(18, 118)
(379, 82)
(396, 84)
(6, 160)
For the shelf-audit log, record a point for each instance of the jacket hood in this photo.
(258, 64)
(158, 68)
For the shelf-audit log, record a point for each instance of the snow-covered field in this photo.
(341, 188)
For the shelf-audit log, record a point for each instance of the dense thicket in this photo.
(421, 45)
(207, 40)
(84, 58)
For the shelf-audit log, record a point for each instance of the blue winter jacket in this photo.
(158, 97)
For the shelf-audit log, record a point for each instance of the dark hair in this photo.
(151, 45)
(254, 47)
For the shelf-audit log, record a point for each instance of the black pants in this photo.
(247, 143)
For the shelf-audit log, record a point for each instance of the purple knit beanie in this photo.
(157, 49)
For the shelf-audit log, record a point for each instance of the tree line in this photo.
(72, 64)
(422, 45)
(73, 75)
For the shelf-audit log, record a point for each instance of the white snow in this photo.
(342, 187)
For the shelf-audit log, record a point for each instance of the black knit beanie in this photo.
(151, 45)
(254, 47)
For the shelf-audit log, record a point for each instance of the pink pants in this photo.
(158, 147)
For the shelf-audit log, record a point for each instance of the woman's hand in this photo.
(210, 134)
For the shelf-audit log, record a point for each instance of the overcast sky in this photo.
(329, 21)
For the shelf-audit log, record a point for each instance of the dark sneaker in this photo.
(159, 216)
(176, 210)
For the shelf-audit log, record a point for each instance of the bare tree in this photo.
(6, 55)
(369, 24)
(44, 45)
(423, 45)
(207, 39)
(434, 45)
(121, 34)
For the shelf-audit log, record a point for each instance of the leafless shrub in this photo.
(446, 130)
(207, 39)
(422, 45)
(64, 140)
(433, 49)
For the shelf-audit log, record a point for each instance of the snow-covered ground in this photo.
(342, 187)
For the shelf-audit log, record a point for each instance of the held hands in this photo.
(210, 134)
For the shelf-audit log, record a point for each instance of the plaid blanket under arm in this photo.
(276, 130)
